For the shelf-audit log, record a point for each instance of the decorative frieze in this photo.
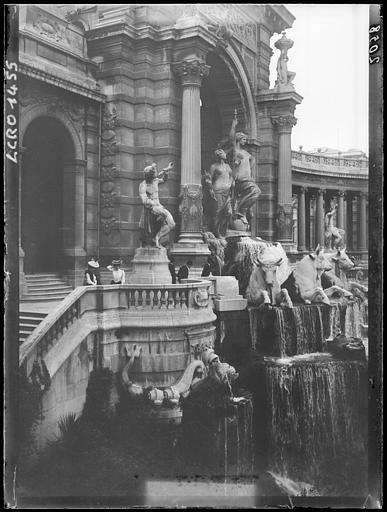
(34, 96)
(226, 15)
(53, 28)
(108, 169)
(191, 208)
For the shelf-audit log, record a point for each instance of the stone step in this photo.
(50, 280)
(42, 287)
(43, 298)
(32, 315)
(31, 277)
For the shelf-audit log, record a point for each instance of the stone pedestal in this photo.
(150, 266)
(226, 294)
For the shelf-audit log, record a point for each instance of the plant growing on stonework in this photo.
(97, 408)
(29, 416)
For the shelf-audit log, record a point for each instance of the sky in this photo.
(330, 59)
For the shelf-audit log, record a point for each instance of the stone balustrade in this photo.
(152, 301)
(323, 163)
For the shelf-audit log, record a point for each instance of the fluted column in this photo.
(349, 230)
(320, 228)
(301, 220)
(73, 237)
(362, 223)
(340, 210)
(191, 74)
(284, 125)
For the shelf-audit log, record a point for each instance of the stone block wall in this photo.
(141, 125)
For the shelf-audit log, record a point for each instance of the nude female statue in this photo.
(246, 191)
(222, 181)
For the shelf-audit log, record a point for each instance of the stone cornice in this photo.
(327, 174)
(76, 87)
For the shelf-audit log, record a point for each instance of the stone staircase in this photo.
(28, 321)
(45, 287)
(44, 293)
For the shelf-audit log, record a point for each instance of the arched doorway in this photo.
(220, 95)
(48, 146)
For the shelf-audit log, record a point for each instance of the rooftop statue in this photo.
(156, 221)
(284, 77)
(245, 191)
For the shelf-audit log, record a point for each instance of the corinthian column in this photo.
(284, 125)
(362, 224)
(301, 220)
(190, 244)
(191, 74)
(320, 228)
(340, 210)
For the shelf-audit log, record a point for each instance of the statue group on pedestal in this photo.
(230, 192)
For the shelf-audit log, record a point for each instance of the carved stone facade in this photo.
(123, 82)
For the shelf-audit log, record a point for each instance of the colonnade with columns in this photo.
(351, 215)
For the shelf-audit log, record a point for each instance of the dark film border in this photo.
(11, 250)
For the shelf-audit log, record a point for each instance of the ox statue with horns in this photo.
(338, 275)
(304, 283)
(264, 287)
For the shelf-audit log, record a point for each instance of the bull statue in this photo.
(304, 283)
(338, 275)
(264, 288)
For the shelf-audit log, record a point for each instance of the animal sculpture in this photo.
(264, 288)
(304, 283)
(338, 275)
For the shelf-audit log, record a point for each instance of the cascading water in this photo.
(317, 419)
(310, 411)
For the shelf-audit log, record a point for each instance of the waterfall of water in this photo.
(352, 320)
(317, 422)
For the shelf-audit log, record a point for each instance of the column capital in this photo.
(191, 72)
(363, 195)
(303, 190)
(284, 124)
(342, 193)
(321, 191)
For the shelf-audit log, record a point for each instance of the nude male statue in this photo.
(156, 221)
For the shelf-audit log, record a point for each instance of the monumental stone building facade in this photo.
(107, 89)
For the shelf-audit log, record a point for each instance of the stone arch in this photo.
(233, 55)
(30, 113)
(69, 256)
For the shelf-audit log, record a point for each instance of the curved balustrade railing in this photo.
(333, 163)
(142, 298)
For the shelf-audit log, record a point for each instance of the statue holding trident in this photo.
(156, 221)
(245, 191)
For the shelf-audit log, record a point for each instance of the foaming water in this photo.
(291, 487)
(317, 422)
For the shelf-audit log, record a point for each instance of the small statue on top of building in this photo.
(284, 77)
(156, 221)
